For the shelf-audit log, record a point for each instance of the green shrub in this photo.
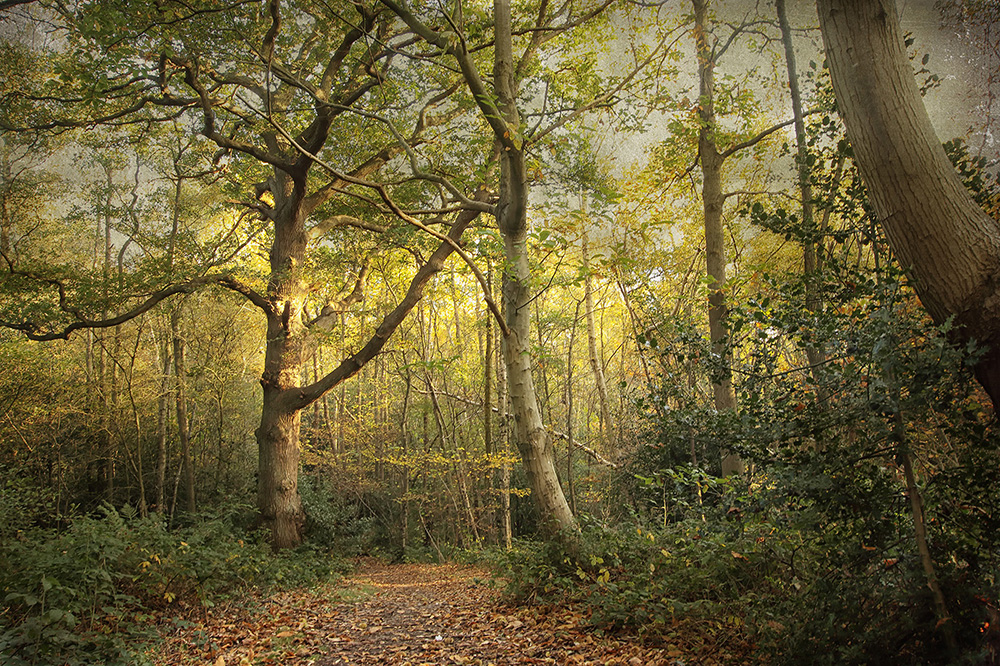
(84, 594)
(641, 578)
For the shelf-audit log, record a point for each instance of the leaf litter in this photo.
(412, 615)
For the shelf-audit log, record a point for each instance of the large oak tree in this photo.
(281, 90)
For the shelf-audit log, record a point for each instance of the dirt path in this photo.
(413, 614)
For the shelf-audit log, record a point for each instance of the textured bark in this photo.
(533, 443)
(949, 245)
(713, 200)
(278, 435)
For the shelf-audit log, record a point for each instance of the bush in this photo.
(84, 594)
(646, 579)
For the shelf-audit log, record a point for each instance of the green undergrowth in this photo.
(753, 574)
(649, 580)
(89, 590)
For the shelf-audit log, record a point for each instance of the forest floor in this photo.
(409, 614)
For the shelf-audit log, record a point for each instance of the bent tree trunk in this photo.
(947, 243)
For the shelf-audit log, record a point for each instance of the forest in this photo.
(677, 320)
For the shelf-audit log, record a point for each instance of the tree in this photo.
(947, 243)
(712, 155)
(274, 115)
(499, 108)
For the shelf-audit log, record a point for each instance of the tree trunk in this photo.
(278, 498)
(949, 245)
(533, 443)
(596, 365)
(180, 375)
(713, 200)
(815, 354)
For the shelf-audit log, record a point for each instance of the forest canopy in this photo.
(613, 290)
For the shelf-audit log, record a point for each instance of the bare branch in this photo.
(762, 135)
(33, 331)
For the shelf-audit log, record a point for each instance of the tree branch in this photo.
(33, 331)
(507, 136)
(735, 148)
(300, 398)
(473, 209)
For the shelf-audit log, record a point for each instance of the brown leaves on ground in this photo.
(410, 614)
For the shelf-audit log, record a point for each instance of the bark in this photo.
(816, 355)
(596, 365)
(713, 200)
(180, 395)
(949, 245)
(533, 443)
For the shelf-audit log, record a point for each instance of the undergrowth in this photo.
(88, 591)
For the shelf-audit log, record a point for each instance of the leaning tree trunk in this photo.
(949, 245)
